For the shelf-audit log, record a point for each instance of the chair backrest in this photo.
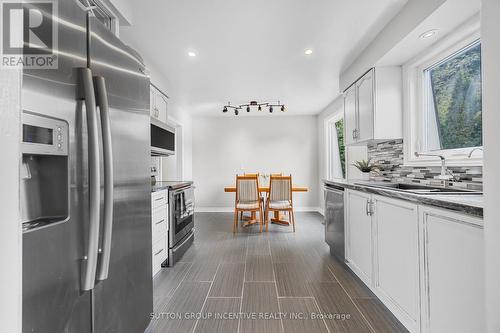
(280, 188)
(251, 174)
(247, 188)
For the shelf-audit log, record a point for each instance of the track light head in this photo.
(224, 110)
(248, 109)
(236, 112)
(270, 109)
(259, 108)
(283, 108)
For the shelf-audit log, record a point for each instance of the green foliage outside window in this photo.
(339, 126)
(456, 90)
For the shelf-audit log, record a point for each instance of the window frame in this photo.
(332, 154)
(415, 94)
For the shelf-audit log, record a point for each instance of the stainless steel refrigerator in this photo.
(85, 184)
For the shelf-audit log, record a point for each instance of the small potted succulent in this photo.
(365, 166)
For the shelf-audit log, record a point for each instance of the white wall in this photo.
(10, 228)
(226, 146)
(334, 108)
(490, 48)
(353, 153)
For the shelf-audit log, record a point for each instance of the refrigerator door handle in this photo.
(104, 251)
(90, 259)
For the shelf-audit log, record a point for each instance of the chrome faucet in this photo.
(473, 150)
(445, 173)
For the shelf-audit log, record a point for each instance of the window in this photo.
(335, 147)
(453, 101)
(443, 100)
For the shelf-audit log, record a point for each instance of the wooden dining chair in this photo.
(280, 198)
(247, 198)
(252, 216)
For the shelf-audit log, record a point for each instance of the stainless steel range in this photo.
(181, 218)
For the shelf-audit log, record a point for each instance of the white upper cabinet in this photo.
(373, 107)
(364, 92)
(350, 115)
(158, 104)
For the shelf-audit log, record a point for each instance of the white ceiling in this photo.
(441, 21)
(254, 50)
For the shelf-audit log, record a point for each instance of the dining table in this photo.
(278, 218)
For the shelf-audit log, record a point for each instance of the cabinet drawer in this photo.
(159, 254)
(159, 221)
(158, 199)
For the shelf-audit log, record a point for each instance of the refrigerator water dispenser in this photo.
(44, 171)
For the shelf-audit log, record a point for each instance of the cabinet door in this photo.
(359, 235)
(453, 273)
(365, 114)
(161, 104)
(152, 104)
(396, 258)
(350, 124)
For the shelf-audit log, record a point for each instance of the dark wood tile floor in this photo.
(275, 282)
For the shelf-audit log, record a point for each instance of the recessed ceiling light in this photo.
(308, 51)
(191, 54)
(428, 34)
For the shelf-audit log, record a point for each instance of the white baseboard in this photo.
(231, 209)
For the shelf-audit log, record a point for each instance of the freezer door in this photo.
(53, 300)
(124, 300)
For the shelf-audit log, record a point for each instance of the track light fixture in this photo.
(251, 104)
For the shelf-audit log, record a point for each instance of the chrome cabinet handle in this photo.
(90, 263)
(102, 102)
(370, 209)
(157, 253)
(159, 222)
(366, 208)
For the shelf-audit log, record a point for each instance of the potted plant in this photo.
(365, 166)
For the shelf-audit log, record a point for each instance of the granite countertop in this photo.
(471, 204)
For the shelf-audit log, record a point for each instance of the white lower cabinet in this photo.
(359, 250)
(425, 264)
(159, 229)
(453, 272)
(396, 258)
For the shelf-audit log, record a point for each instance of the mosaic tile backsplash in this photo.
(389, 156)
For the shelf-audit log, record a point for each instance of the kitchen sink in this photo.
(419, 189)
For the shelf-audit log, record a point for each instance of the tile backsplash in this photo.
(389, 156)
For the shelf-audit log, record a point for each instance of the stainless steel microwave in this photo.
(162, 138)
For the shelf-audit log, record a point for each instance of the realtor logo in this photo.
(29, 34)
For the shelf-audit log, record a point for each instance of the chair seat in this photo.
(284, 204)
(248, 205)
